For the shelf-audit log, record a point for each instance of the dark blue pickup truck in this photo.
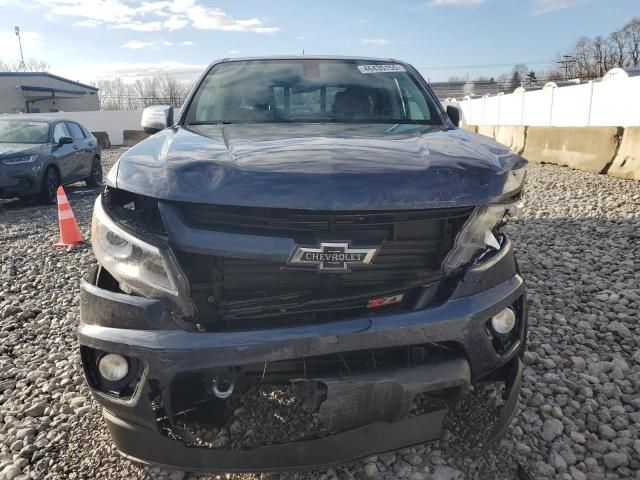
(315, 225)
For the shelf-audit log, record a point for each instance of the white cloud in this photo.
(87, 23)
(175, 22)
(153, 7)
(454, 3)
(181, 6)
(9, 48)
(139, 26)
(540, 7)
(300, 38)
(130, 72)
(112, 11)
(234, 52)
(136, 44)
(155, 15)
(375, 41)
(205, 18)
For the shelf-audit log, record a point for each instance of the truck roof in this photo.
(307, 57)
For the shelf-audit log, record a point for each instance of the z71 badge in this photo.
(334, 257)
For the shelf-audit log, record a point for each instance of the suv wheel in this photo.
(50, 184)
(95, 178)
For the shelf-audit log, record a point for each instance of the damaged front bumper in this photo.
(140, 443)
(363, 411)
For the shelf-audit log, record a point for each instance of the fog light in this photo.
(113, 367)
(504, 321)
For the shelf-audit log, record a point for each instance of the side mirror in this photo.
(156, 118)
(65, 141)
(454, 114)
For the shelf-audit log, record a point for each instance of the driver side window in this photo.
(60, 131)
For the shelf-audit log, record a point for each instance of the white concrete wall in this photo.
(114, 122)
(613, 102)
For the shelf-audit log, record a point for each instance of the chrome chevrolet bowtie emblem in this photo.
(334, 257)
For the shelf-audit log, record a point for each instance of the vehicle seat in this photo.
(245, 105)
(352, 102)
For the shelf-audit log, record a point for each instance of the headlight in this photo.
(131, 261)
(17, 160)
(477, 234)
(514, 181)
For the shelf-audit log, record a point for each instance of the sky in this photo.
(88, 40)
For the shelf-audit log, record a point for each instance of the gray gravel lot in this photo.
(578, 245)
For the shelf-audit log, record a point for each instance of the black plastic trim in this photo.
(137, 443)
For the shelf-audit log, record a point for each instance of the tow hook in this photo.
(222, 387)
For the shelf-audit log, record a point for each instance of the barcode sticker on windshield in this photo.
(380, 68)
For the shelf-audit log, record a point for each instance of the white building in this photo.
(36, 92)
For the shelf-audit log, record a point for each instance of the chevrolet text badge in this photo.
(331, 257)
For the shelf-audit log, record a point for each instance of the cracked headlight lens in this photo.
(134, 263)
(477, 233)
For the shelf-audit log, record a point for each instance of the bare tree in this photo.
(173, 91)
(601, 54)
(147, 90)
(118, 95)
(631, 32)
(618, 44)
(31, 65)
(114, 94)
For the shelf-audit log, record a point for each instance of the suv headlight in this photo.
(136, 265)
(477, 233)
(17, 160)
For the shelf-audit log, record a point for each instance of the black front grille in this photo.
(240, 293)
(305, 224)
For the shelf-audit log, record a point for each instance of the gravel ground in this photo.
(578, 245)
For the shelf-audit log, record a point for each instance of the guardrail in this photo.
(609, 150)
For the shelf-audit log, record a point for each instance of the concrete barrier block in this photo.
(103, 139)
(131, 137)
(512, 137)
(584, 148)
(627, 161)
(487, 130)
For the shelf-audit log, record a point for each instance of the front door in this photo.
(65, 154)
(83, 151)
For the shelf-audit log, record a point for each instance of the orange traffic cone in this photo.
(70, 235)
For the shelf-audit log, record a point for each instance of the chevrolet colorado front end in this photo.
(314, 233)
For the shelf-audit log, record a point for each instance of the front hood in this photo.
(319, 166)
(15, 149)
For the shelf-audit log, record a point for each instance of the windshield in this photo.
(311, 91)
(23, 131)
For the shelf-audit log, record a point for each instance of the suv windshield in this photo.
(23, 131)
(311, 91)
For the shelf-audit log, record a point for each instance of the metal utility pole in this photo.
(568, 60)
(22, 65)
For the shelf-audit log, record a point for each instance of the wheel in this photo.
(96, 174)
(50, 184)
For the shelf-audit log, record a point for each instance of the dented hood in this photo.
(320, 166)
